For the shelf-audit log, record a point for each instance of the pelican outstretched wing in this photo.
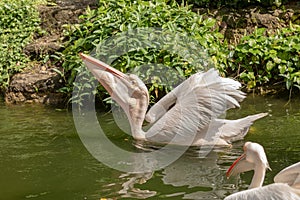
(205, 87)
(192, 105)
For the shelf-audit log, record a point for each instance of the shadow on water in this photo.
(42, 157)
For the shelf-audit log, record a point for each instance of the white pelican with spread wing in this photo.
(188, 115)
(287, 181)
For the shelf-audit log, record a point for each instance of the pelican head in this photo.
(253, 158)
(127, 90)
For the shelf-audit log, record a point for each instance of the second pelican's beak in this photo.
(237, 166)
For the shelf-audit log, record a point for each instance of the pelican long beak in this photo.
(237, 166)
(92, 62)
(110, 78)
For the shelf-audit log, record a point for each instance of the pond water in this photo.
(42, 157)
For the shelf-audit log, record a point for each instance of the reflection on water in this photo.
(42, 157)
(189, 177)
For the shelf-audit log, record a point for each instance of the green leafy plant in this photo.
(19, 20)
(112, 18)
(262, 58)
(236, 3)
(259, 59)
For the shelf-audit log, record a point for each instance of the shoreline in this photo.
(40, 83)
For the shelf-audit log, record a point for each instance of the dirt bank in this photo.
(40, 82)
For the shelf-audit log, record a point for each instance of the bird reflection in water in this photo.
(189, 177)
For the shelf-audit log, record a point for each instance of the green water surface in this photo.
(42, 157)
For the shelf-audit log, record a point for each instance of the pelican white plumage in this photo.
(287, 182)
(185, 116)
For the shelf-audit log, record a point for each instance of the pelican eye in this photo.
(133, 82)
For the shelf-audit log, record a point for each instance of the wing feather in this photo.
(233, 130)
(199, 99)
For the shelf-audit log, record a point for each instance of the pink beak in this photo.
(98, 68)
(101, 65)
(231, 168)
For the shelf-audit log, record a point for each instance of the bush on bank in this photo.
(235, 3)
(263, 59)
(112, 19)
(260, 59)
(19, 21)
